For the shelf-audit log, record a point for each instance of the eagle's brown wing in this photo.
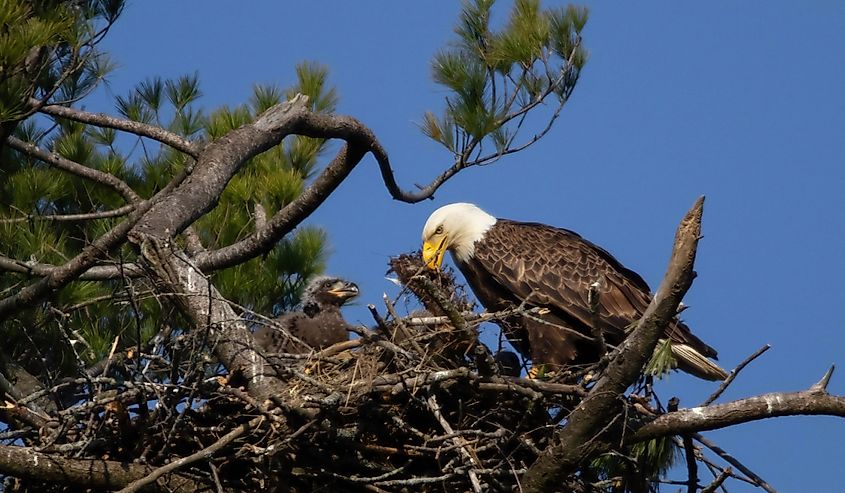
(554, 267)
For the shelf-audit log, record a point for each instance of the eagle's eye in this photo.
(327, 283)
(439, 230)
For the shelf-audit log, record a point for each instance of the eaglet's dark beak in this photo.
(344, 290)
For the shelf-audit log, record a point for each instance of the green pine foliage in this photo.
(49, 48)
(78, 326)
(632, 470)
(662, 361)
(496, 76)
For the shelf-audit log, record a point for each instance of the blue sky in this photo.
(741, 102)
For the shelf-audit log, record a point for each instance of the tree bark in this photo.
(809, 402)
(25, 462)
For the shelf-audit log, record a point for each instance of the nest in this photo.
(414, 403)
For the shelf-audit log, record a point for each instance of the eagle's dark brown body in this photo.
(539, 265)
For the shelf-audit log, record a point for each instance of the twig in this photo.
(715, 395)
(121, 211)
(732, 461)
(821, 385)
(472, 317)
(203, 454)
(710, 488)
(458, 440)
(689, 451)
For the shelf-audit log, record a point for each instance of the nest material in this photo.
(416, 409)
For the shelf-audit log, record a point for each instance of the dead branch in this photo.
(755, 479)
(808, 402)
(715, 395)
(710, 488)
(106, 121)
(25, 462)
(204, 454)
(578, 440)
(74, 168)
(121, 211)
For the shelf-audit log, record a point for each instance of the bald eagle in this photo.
(317, 325)
(510, 263)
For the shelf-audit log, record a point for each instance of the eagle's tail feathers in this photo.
(693, 362)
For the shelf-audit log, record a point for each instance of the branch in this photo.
(776, 404)
(25, 462)
(64, 164)
(578, 441)
(141, 129)
(717, 482)
(751, 476)
(459, 441)
(715, 395)
(121, 211)
(204, 454)
(95, 273)
(70, 271)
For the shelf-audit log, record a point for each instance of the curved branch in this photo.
(64, 164)
(159, 134)
(285, 220)
(581, 438)
(773, 405)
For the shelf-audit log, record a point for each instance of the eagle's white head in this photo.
(456, 228)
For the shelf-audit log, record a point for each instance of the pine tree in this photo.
(45, 209)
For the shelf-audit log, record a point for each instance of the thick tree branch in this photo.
(64, 164)
(580, 439)
(285, 220)
(764, 406)
(207, 309)
(25, 462)
(141, 129)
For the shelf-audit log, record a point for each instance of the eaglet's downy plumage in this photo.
(317, 325)
(510, 263)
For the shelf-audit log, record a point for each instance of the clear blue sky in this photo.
(740, 101)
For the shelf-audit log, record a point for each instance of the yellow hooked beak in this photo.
(432, 254)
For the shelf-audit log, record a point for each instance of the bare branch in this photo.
(75, 168)
(579, 440)
(754, 478)
(459, 441)
(122, 211)
(204, 454)
(715, 395)
(764, 406)
(141, 129)
(25, 462)
(710, 488)
(95, 273)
